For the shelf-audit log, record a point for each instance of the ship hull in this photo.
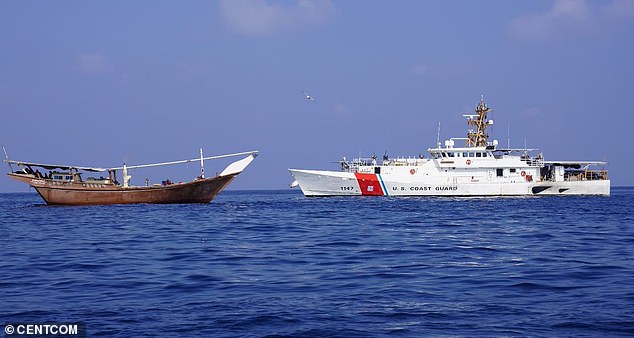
(333, 183)
(83, 193)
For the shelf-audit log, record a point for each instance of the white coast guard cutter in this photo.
(479, 168)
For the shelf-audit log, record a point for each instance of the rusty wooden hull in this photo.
(85, 193)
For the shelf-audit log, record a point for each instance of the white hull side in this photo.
(326, 183)
(599, 187)
(334, 183)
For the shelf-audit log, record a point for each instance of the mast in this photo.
(184, 161)
(125, 176)
(479, 137)
(202, 164)
(6, 156)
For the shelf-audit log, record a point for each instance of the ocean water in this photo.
(274, 263)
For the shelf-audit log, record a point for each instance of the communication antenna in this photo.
(438, 136)
(508, 135)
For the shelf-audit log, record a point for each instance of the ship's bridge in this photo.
(449, 151)
(476, 152)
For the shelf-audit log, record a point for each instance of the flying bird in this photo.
(308, 97)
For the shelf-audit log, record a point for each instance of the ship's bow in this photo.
(326, 183)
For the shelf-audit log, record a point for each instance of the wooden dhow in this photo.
(64, 185)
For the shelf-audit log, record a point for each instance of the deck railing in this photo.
(587, 175)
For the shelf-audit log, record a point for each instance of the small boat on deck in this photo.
(64, 185)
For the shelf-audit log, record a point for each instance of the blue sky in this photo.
(97, 83)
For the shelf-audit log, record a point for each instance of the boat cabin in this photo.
(65, 176)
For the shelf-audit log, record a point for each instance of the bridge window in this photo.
(499, 172)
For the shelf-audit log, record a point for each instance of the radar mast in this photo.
(479, 137)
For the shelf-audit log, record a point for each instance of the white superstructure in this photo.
(479, 168)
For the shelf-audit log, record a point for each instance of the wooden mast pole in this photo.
(7, 157)
(202, 164)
